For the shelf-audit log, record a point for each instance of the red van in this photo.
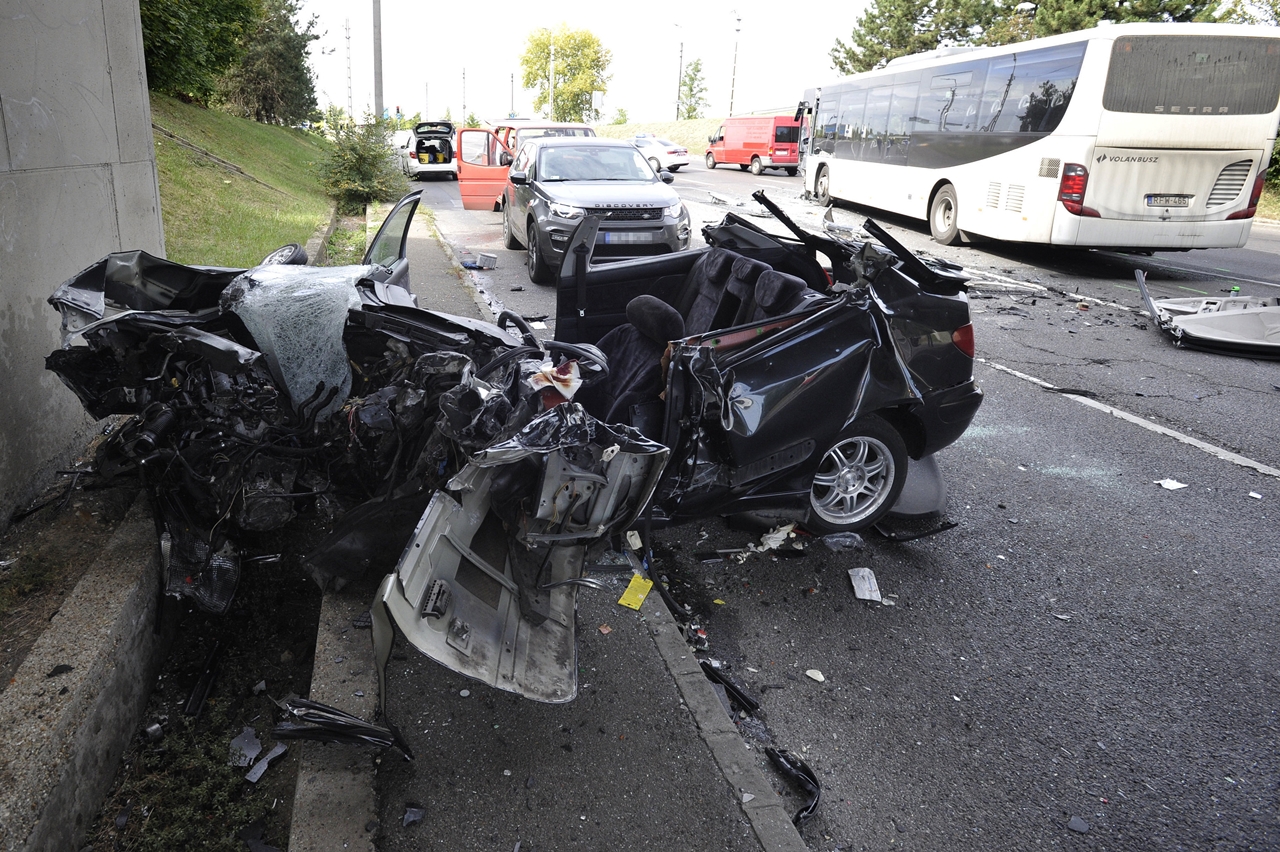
(757, 142)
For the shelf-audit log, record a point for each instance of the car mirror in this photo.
(711, 139)
(666, 176)
(504, 158)
(518, 178)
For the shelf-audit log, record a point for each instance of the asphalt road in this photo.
(1088, 660)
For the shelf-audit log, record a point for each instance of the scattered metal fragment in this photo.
(798, 771)
(261, 766)
(843, 541)
(204, 685)
(322, 723)
(411, 815)
(731, 688)
(260, 687)
(1078, 825)
(864, 584)
(154, 732)
(1244, 326)
(245, 747)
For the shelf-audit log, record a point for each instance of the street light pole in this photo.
(733, 81)
(377, 58)
(680, 82)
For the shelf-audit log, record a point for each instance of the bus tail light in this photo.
(962, 337)
(1075, 178)
(1247, 213)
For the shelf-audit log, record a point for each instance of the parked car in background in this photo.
(555, 182)
(662, 153)
(429, 151)
(756, 142)
(485, 155)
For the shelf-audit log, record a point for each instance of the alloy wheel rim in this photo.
(853, 480)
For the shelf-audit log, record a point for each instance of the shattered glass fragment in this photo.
(244, 748)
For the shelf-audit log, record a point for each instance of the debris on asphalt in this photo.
(864, 584)
(154, 732)
(637, 590)
(1255, 495)
(60, 669)
(325, 724)
(798, 771)
(1078, 825)
(412, 815)
(735, 692)
(260, 687)
(814, 674)
(605, 629)
(696, 635)
(252, 837)
(260, 767)
(843, 541)
(244, 748)
(1170, 484)
(122, 818)
(363, 621)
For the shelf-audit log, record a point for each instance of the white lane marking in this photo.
(1219, 452)
(1215, 273)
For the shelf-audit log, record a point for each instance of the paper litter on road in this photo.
(1170, 484)
(864, 584)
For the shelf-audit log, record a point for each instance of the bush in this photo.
(1273, 170)
(359, 168)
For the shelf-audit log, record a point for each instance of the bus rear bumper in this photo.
(1088, 231)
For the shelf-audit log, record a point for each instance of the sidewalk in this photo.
(645, 758)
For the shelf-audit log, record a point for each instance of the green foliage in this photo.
(472, 121)
(580, 66)
(188, 44)
(359, 168)
(272, 82)
(620, 117)
(1266, 12)
(693, 92)
(893, 28)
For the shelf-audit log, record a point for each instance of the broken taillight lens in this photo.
(962, 337)
(1248, 212)
(1075, 179)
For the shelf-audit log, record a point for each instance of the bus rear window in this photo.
(1193, 75)
(786, 134)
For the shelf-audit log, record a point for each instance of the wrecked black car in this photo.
(480, 466)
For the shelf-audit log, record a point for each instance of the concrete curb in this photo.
(320, 239)
(62, 736)
(738, 764)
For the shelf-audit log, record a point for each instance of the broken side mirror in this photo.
(504, 158)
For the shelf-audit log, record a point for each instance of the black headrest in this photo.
(779, 291)
(655, 319)
(718, 262)
(745, 274)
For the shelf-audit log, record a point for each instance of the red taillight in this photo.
(1247, 213)
(1075, 179)
(413, 155)
(962, 337)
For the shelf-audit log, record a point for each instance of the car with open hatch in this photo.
(429, 150)
(555, 182)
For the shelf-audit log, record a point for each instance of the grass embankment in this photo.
(691, 134)
(216, 214)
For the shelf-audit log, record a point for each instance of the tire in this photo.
(673, 169)
(508, 234)
(287, 255)
(756, 168)
(859, 479)
(792, 172)
(539, 271)
(822, 186)
(944, 222)
(743, 166)
(657, 167)
(711, 160)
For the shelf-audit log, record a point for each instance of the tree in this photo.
(272, 83)
(577, 69)
(620, 117)
(188, 44)
(359, 168)
(693, 92)
(1252, 12)
(471, 121)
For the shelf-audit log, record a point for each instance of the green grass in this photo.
(691, 134)
(215, 215)
(1269, 204)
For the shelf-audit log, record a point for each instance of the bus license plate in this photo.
(627, 237)
(1168, 200)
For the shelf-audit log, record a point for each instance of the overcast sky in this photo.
(782, 50)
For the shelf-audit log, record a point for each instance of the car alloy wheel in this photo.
(859, 478)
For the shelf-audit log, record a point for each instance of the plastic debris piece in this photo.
(464, 693)
(814, 674)
(325, 724)
(1170, 484)
(122, 818)
(1078, 825)
(843, 541)
(245, 748)
(605, 629)
(633, 540)
(637, 590)
(864, 584)
(732, 689)
(412, 815)
(1062, 617)
(261, 766)
(1255, 495)
(718, 602)
(746, 797)
(260, 687)
(798, 771)
(154, 732)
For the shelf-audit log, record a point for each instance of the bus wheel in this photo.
(756, 168)
(711, 160)
(944, 224)
(822, 187)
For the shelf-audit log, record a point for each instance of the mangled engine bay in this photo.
(466, 460)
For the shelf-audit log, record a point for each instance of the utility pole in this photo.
(464, 96)
(426, 101)
(733, 81)
(350, 103)
(377, 58)
(512, 114)
(680, 82)
(551, 79)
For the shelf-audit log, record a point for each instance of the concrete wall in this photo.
(77, 181)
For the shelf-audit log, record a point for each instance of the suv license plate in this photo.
(627, 237)
(1168, 200)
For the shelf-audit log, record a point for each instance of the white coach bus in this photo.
(1146, 136)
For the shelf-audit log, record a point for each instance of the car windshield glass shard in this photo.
(297, 314)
